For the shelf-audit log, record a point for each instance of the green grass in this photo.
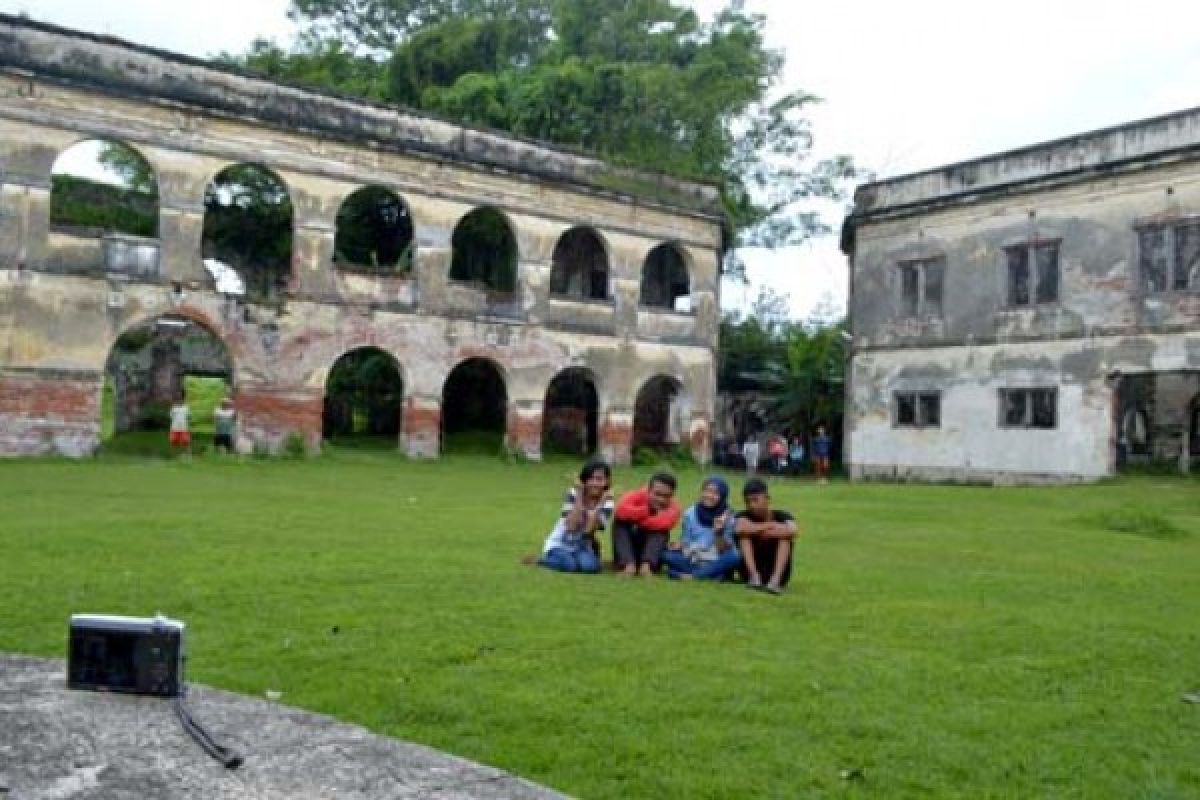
(940, 642)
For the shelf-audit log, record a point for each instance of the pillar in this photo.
(524, 434)
(421, 427)
(616, 437)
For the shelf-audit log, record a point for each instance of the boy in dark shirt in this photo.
(765, 538)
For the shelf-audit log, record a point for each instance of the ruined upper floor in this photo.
(1090, 235)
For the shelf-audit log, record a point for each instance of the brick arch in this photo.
(377, 396)
(189, 313)
(657, 419)
(475, 396)
(149, 372)
(571, 414)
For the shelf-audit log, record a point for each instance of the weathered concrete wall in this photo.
(60, 309)
(1090, 194)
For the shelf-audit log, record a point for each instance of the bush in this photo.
(294, 446)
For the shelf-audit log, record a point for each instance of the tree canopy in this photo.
(643, 83)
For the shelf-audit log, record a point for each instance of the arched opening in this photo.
(374, 232)
(104, 209)
(364, 398)
(248, 232)
(656, 418)
(570, 414)
(485, 251)
(474, 408)
(665, 282)
(580, 266)
(150, 368)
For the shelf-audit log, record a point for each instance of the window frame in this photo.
(1029, 395)
(921, 306)
(1034, 273)
(1170, 230)
(920, 421)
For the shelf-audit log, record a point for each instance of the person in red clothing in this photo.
(644, 520)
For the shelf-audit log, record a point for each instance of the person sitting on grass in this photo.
(765, 537)
(706, 550)
(587, 508)
(644, 521)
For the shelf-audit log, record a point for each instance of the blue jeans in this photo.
(720, 569)
(562, 560)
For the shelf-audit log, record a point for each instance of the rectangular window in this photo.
(1029, 408)
(921, 287)
(1169, 256)
(909, 278)
(1032, 273)
(918, 409)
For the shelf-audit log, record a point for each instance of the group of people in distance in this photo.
(715, 543)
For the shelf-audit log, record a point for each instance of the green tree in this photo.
(642, 83)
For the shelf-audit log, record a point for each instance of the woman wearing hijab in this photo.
(706, 550)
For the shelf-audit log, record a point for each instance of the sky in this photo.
(905, 86)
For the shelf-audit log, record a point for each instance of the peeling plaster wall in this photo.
(1089, 193)
(60, 310)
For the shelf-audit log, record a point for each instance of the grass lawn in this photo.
(940, 642)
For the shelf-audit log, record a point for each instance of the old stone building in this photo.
(541, 287)
(1030, 316)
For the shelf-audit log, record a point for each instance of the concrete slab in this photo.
(57, 744)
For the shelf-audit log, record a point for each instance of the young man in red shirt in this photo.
(644, 520)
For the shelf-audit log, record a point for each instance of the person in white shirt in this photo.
(587, 508)
(180, 437)
(750, 456)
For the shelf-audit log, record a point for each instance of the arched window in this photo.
(103, 187)
(248, 230)
(485, 251)
(570, 413)
(374, 232)
(665, 281)
(364, 396)
(580, 266)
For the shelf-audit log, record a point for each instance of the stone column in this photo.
(524, 434)
(182, 180)
(49, 412)
(421, 427)
(267, 416)
(616, 436)
(25, 207)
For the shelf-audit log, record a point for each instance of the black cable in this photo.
(228, 758)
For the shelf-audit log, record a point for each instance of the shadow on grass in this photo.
(1149, 524)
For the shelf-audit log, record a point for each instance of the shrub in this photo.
(294, 446)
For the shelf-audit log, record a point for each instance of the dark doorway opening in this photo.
(570, 414)
(364, 398)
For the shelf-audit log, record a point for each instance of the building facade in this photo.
(614, 283)
(1032, 316)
